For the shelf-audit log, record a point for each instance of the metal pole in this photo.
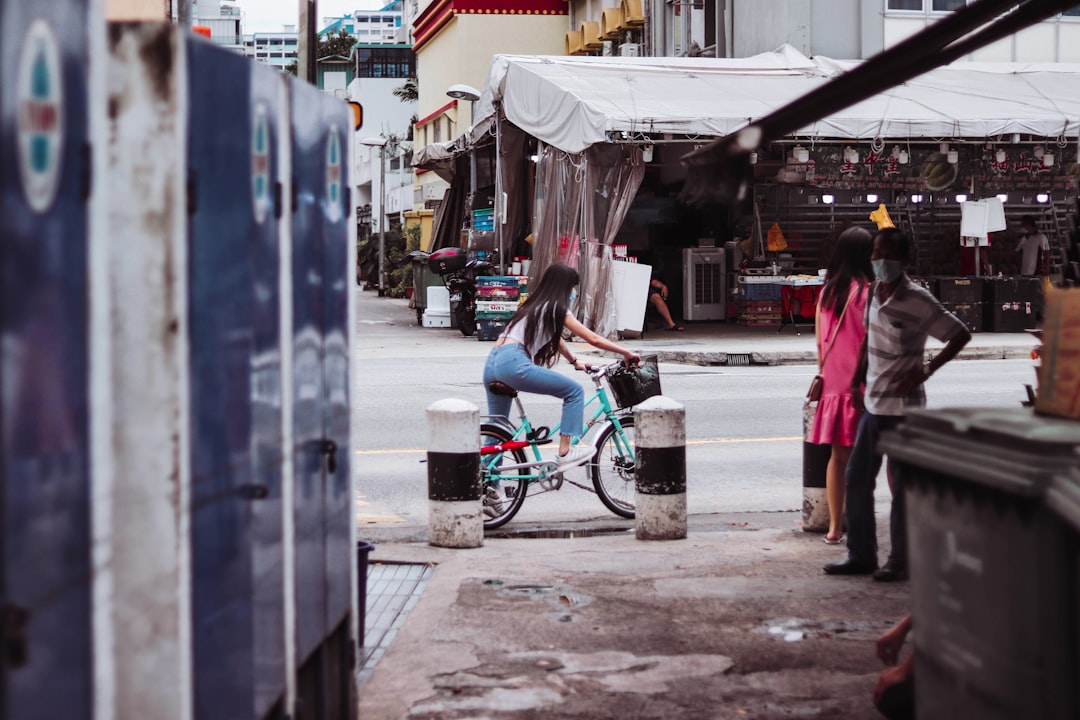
(307, 50)
(500, 202)
(382, 219)
(472, 163)
(184, 13)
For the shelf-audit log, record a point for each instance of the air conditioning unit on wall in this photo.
(704, 296)
(630, 49)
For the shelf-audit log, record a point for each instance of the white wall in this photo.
(1056, 40)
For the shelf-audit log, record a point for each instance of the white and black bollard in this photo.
(660, 475)
(815, 463)
(455, 517)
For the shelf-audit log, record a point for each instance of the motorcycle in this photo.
(459, 275)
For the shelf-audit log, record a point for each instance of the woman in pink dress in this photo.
(840, 332)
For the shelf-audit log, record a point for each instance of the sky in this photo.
(270, 15)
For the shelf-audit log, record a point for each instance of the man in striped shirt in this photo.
(900, 317)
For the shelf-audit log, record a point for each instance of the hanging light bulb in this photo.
(753, 158)
(1038, 151)
(961, 198)
(902, 158)
(827, 199)
(1048, 159)
(871, 198)
(943, 148)
(895, 154)
(854, 156)
(953, 157)
(1000, 156)
(800, 154)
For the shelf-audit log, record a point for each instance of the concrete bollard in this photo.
(660, 446)
(455, 517)
(815, 462)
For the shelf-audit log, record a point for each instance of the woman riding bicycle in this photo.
(530, 345)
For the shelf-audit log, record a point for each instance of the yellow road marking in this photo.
(705, 441)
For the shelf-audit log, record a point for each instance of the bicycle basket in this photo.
(632, 386)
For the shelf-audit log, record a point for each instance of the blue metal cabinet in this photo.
(320, 400)
(45, 573)
(268, 105)
(232, 340)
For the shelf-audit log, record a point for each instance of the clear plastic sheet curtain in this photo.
(580, 203)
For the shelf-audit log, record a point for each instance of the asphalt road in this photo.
(744, 443)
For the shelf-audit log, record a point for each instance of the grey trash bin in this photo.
(992, 612)
(422, 279)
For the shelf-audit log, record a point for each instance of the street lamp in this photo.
(380, 142)
(467, 92)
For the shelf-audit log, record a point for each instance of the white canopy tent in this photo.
(572, 103)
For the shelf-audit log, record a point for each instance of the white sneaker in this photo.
(575, 456)
(492, 501)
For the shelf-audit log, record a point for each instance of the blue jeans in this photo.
(861, 476)
(512, 365)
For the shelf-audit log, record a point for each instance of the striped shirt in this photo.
(897, 330)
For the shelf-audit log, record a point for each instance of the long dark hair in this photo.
(850, 261)
(545, 311)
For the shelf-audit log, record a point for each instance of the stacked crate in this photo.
(1013, 304)
(496, 302)
(758, 302)
(963, 297)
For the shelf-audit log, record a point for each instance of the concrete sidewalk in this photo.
(735, 621)
(703, 343)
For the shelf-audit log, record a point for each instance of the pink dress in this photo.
(836, 419)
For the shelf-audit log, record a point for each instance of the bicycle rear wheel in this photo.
(503, 492)
(612, 468)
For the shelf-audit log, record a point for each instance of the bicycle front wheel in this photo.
(503, 490)
(613, 466)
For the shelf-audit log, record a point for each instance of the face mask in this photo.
(888, 271)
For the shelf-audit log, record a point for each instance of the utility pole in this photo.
(184, 13)
(309, 44)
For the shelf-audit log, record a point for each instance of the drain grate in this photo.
(558, 534)
(392, 591)
(738, 359)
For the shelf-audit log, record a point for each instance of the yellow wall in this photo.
(135, 9)
(425, 218)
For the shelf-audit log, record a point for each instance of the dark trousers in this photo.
(861, 477)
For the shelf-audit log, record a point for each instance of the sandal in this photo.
(675, 328)
(833, 541)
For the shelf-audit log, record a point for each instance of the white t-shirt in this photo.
(896, 340)
(1029, 248)
(517, 332)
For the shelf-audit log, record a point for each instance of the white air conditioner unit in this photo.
(704, 296)
(630, 50)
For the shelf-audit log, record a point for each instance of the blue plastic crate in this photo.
(760, 291)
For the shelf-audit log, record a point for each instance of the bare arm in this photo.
(575, 326)
(858, 380)
(920, 374)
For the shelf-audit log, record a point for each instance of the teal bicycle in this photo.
(512, 467)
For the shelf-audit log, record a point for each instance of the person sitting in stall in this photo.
(658, 293)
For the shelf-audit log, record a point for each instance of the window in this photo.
(388, 62)
(1072, 12)
(937, 6)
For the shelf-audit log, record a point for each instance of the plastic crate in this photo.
(960, 290)
(759, 291)
(971, 314)
(502, 280)
(489, 328)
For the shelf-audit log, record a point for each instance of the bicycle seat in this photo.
(501, 388)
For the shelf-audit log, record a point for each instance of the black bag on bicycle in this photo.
(630, 386)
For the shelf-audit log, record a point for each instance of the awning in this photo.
(574, 102)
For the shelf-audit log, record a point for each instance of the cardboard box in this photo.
(1059, 371)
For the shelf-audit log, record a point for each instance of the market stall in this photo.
(1009, 128)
